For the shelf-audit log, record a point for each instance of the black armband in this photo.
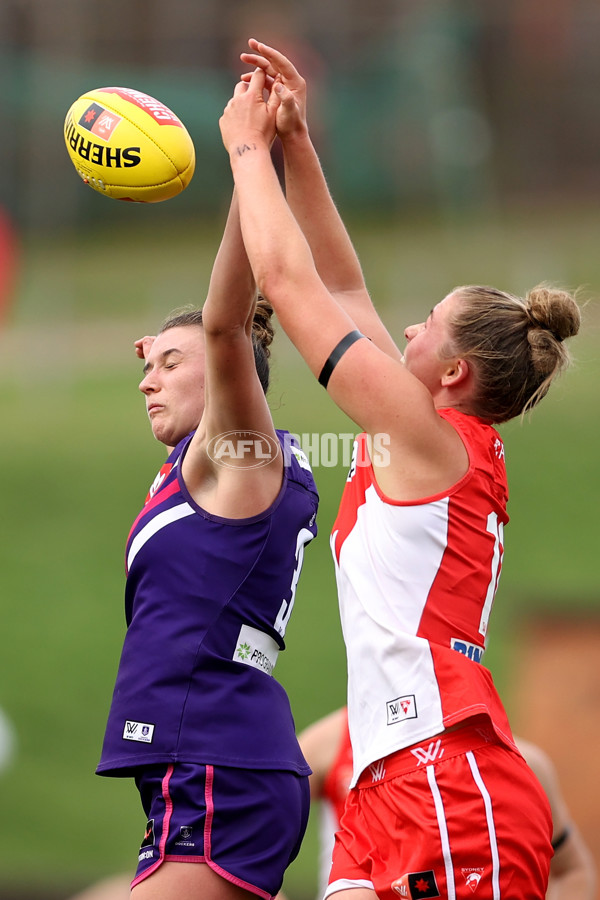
(560, 839)
(336, 354)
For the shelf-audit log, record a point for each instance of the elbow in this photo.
(229, 332)
(273, 282)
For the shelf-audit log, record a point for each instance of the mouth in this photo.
(153, 408)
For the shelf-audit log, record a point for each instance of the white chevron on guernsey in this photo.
(160, 521)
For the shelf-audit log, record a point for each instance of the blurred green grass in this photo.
(77, 457)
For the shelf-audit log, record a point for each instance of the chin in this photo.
(170, 433)
(161, 436)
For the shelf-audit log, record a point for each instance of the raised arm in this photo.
(235, 401)
(280, 256)
(231, 289)
(433, 456)
(311, 202)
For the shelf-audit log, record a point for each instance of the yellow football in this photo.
(129, 146)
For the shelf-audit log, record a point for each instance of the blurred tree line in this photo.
(435, 104)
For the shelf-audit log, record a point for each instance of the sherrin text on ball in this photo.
(129, 146)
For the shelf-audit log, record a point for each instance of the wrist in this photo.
(247, 146)
(298, 137)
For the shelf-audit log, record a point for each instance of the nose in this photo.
(147, 384)
(412, 331)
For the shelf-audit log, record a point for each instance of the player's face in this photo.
(173, 383)
(425, 341)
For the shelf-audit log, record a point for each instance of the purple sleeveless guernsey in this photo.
(207, 603)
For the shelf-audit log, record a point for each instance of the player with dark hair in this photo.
(438, 783)
(213, 561)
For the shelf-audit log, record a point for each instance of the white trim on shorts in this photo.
(489, 814)
(444, 839)
(344, 884)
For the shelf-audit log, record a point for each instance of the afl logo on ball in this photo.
(100, 122)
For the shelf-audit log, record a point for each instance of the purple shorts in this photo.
(246, 824)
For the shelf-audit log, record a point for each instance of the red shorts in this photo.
(460, 815)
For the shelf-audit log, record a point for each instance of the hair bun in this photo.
(262, 326)
(553, 309)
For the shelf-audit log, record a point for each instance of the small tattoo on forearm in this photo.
(244, 148)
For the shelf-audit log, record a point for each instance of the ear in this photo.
(457, 372)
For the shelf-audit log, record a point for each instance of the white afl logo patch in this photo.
(138, 731)
(401, 708)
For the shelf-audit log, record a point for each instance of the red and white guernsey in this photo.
(416, 582)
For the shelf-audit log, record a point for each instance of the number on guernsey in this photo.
(285, 611)
(496, 529)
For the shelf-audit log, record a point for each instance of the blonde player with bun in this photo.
(326, 746)
(440, 794)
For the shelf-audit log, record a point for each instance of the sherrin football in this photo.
(129, 146)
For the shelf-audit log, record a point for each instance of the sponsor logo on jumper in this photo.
(401, 708)
(100, 154)
(428, 754)
(138, 731)
(377, 770)
(416, 884)
(99, 121)
(299, 455)
(257, 649)
(254, 657)
(148, 835)
(185, 837)
(243, 651)
(471, 651)
(499, 449)
(472, 877)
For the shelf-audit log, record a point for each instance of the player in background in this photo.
(573, 874)
(418, 541)
(213, 561)
(327, 749)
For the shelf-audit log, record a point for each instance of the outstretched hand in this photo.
(248, 118)
(283, 78)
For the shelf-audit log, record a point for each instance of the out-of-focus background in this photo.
(461, 140)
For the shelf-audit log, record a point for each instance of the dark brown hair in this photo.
(514, 346)
(262, 333)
